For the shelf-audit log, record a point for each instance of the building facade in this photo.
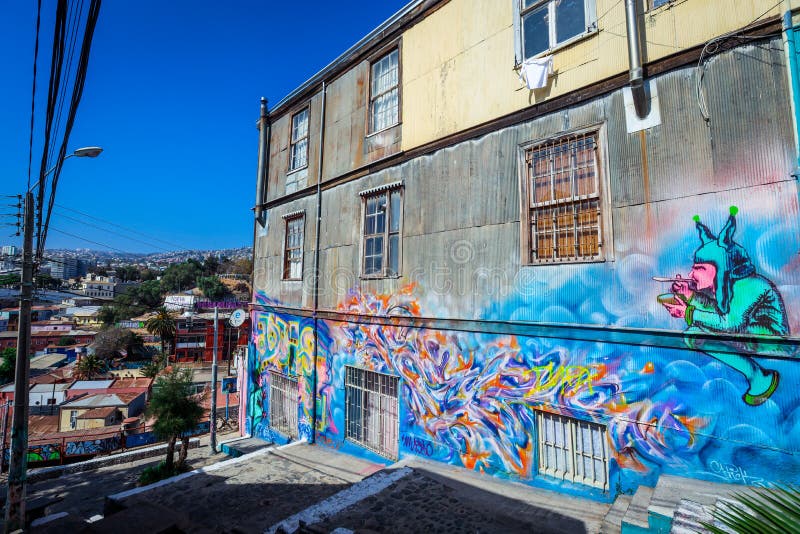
(533, 259)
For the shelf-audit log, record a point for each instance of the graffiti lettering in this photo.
(735, 474)
(418, 446)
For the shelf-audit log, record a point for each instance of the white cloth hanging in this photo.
(535, 71)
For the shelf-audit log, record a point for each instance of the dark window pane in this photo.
(570, 19)
(394, 212)
(535, 32)
(394, 256)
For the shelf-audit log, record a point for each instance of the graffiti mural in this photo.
(724, 294)
(711, 400)
(283, 344)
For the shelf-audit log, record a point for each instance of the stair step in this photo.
(688, 517)
(637, 513)
(612, 522)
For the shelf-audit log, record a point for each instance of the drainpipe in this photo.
(316, 265)
(264, 131)
(635, 59)
(263, 163)
(794, 77)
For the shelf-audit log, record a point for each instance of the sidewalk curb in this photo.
(113, 503)
(341, 500)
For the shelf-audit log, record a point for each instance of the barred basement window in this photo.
(372, 410)
(572, 450)
(283, 402)
(564, 208)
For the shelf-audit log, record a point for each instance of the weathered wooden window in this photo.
(384, 104)
(371, 401)
(284, 398)
(572, 450)
(564, 204)
(658, 3)
(293, 248)
(299, 144)
(545, 24)
(383, 211)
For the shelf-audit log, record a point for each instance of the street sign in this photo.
(237, 317)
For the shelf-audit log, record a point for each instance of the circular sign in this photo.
(237, 317)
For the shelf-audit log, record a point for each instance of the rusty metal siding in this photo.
(461, 210)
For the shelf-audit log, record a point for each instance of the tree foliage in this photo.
(775, 509)
(211, 287)
(89, 367)
(176, 412)
(8, 364)
(111, 343)
(181, 276)
(65, 341)
(162, 324)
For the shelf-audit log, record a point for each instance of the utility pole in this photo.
(17, 470)
(213, 424)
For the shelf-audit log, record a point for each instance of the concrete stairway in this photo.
(676, 504)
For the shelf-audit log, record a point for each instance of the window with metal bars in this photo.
(372, 410)
(283, 403)
(572, 450)
(384, 104)
(293, 248)
(298, 152)
(564, 201)
(382, 221)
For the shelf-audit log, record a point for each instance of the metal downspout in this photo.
(316, 265)
(794, 77)
(262, 173)
(635, 59)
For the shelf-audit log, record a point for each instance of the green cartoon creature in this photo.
(723, 294)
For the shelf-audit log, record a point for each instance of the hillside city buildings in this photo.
(541, 240)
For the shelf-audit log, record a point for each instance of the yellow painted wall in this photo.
(458, 62)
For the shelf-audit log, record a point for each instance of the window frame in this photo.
(288, 219)
(292, 142)
(380, 55)
(571, 450)
(605, 230)
(386, 191)
(590, 13)
(651, 4)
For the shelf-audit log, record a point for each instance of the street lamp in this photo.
(15, 508)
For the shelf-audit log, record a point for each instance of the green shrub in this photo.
(156, 472)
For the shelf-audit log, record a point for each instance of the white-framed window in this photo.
(563, 206)
(73, 419)
(298, 150)
(293, 247)
(541, 25)
(381, 244)
(372, 410)
(384, 99)
(572, 450)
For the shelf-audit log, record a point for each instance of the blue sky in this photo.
(172, 95)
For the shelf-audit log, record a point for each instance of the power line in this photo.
(131, 230)
(113, 232)
(87, 240)
(33, 91)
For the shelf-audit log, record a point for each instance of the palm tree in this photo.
(775, 509)
(89, 366)
(162, 325)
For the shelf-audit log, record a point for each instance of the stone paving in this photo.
(428, 501)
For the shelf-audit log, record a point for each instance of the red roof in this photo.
(135, 382)
(98, 413)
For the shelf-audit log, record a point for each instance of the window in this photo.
(384, 108)
(544, 24)
(73, 419)
(382, 213)
(293, 248)
(572, 450)
(372, 410)
(283, 402)
(658, 3)
(298, 153)
(563, 203)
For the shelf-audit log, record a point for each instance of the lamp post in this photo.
(18, 464)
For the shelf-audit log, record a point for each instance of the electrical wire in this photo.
(87, 240)
(131, 230)
(113, 232)
(33, 91)
(77, 93)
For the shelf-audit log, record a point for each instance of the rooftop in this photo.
(98, 413)
(102, 400)
(92, 384)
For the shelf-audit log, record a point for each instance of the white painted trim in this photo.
(206, 469)
(339, 501)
